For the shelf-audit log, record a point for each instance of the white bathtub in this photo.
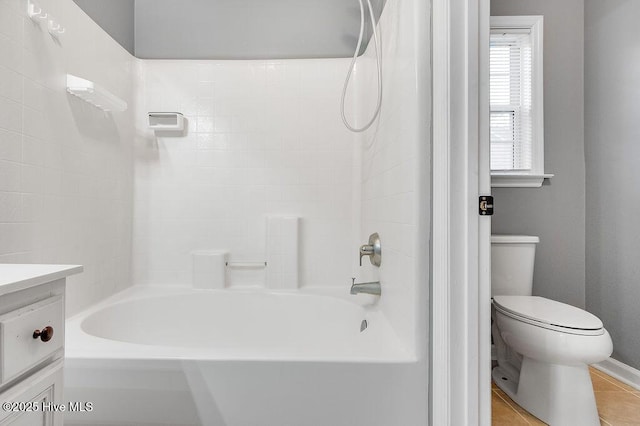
(170, 356)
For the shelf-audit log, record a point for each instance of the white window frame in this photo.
(529, 178)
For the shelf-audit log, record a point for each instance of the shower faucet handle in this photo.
(373, 250)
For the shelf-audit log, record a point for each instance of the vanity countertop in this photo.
(15, 277)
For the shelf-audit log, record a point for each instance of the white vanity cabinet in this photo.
(32, 343)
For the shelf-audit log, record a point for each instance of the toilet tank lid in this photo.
(547, 312)
(514, 239)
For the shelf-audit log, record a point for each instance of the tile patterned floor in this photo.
(618, 404)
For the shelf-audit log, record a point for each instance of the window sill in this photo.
(510, 180)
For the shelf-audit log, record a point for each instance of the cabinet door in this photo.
(35, 418)
(35, 401)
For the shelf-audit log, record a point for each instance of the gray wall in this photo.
(116, 17)
(612, 145)
(247, 29)
(554, 212)
(233, 29)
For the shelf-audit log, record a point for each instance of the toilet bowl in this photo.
(543, 346)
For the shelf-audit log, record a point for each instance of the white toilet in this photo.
(543, 346)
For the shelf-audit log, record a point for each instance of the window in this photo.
(516, 101)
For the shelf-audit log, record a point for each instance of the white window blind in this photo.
(511, 100)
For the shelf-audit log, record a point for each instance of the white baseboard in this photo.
(620, 371)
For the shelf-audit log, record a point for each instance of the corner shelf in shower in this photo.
(94, 94)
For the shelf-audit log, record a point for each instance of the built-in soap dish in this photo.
(166, 121)
(94, 94)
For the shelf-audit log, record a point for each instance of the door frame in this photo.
(460, 348)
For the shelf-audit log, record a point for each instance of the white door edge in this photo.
(460, 282)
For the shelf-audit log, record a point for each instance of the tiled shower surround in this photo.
(264, 138)
(65, 166)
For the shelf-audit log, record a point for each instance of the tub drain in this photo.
(363, 325)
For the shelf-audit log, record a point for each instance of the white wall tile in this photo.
(10, 46)
(10, 145)
(10, 115)
(10, 84)
(10, 207)
(10, 177)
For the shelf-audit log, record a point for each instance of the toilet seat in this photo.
(549, 314)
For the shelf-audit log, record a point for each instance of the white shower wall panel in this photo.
(395, 166)
(264, 138)
(66, 173)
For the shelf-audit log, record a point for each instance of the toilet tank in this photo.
(512, 259)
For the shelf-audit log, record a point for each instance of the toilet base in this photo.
(559, 395)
